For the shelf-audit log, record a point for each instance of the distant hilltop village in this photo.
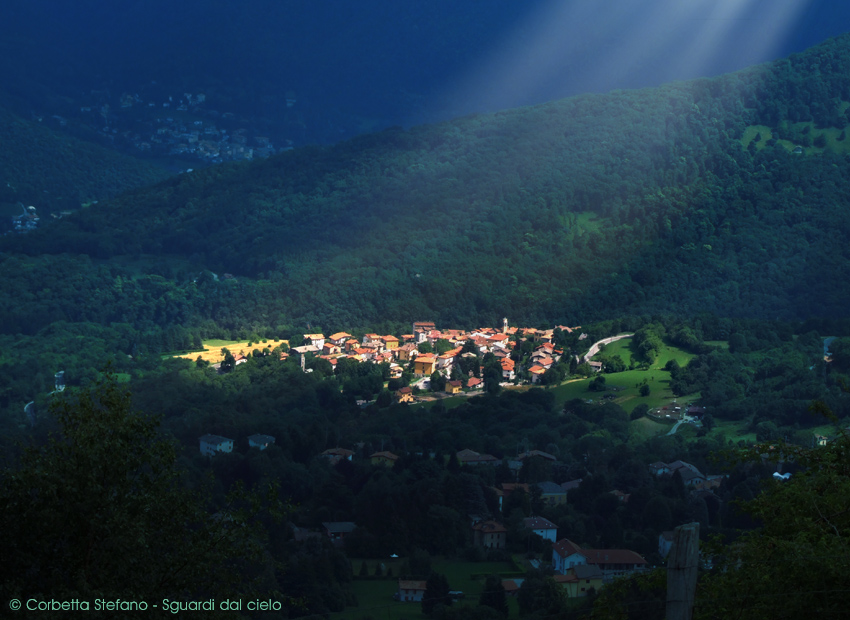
(28, 220)
(427, 350)
(179, 125)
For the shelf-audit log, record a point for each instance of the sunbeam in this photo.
(567, 47)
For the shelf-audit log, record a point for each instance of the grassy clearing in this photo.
(723, 344)
(375, 596)
(645, 428)
(627, 392)
(752, 131)
(626, 350)
(672, 353)
(799, 134)
(734, 431)
(212, 349)
(375, 600)
(627, 383)
(460, 574)
(586, 222)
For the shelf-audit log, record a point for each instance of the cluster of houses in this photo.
(577, 569)
(214, 444)
(27, 221)
(401, 353)
(692, 477)
(174, 125)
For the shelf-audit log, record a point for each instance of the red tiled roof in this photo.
(490, 527)
(565, 578)
(538, 523)
(385, 454)
(565, 548)
(337, 452)
(612, 556)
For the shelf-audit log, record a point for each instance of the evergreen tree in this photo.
(494, 595)
(801, 547)
(99, 511)
(436, 593)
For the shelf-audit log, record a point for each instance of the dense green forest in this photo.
(54, 171)
(595, 205)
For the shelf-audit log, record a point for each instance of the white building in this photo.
(542, 527)
(260, 441)
(211, 444)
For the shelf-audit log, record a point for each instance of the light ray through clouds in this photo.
(572, 46)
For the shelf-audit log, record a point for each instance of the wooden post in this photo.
(682, 566)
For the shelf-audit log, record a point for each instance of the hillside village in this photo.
(427, 355)
(579, 571)
(430, 354)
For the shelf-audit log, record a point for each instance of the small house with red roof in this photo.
(385, 458)
(508, 367)
(612, 562)
(404, 395)
(410, 590)
(489, 534)
(475, 383)
(453, 387)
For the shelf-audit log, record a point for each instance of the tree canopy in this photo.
(100, 512)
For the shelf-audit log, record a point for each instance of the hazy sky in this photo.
(397, 61)
(565, 47)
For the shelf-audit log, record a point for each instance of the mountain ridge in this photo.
(639, 200)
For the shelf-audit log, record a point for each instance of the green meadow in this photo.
(625, 386)
(804, 134)
(375, 595)
(734, 431)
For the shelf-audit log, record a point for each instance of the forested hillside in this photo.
(54, 171)
(595, 205)
(632, 203)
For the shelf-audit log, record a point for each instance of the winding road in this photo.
(594, 348)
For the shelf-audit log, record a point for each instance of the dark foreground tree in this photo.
(494, 595)
(796, 565)
(100, 512)
(436, 593)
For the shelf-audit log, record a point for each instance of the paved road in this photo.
(675, 427)
(594, 348)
